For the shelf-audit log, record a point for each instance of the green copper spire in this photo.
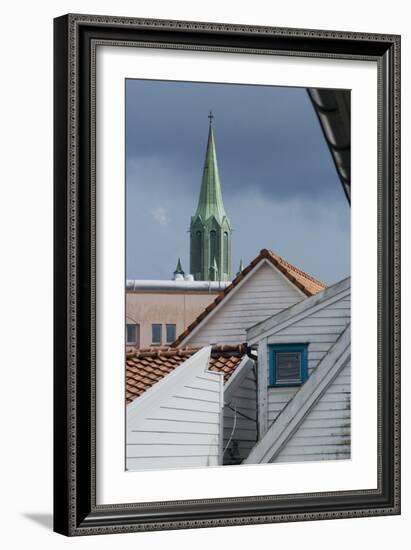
(210, 202)
(210, 228)
(240, 267)
(178, 270)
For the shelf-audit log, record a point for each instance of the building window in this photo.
(225, 249)
(288, 364)
(170, 333)
(132, 335)
(156, 334)
(199, 251)
(213, 246)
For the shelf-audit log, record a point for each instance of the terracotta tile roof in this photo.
(307, 284)
(301, 280)
(145, 367)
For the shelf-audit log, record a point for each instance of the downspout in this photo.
(250, 354)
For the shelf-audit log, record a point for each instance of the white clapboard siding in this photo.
(264, 292)
(327, 303)
(171, 426)
(323, 441)
(240, 433)
(323, 430)
(178, 422)
(173, 462)
(312, 328)
(167, 438)
(308, 401)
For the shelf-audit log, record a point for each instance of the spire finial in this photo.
(210, 117)
(240, 268)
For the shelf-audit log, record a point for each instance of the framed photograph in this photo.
(227, 277)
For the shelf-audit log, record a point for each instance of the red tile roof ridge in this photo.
(145, 370)
(293, 267)
(141, 353)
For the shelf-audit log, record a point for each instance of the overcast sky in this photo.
(279, 183)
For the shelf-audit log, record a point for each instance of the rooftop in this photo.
(146, 367)
(179, 285)
(307, 284)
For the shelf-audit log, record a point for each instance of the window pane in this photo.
(131, 337)
(156, 334)
(288, 366)
(226, 269)
(213, 246)
(171, 333)
(197, 253)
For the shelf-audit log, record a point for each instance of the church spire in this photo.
(210, 228)
(210, 202)
(178, 270)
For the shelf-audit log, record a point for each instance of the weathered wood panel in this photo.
(310, 457)
(328, 415)
(325, 433)
(240, 425)
(178, 422)
(266, 292)
(282, 431)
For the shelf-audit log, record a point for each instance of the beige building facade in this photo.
(157, 312)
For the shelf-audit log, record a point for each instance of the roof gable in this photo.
(304, 283)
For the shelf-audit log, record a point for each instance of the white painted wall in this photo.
(178, 422)
(320, 327)
(264, 292)
(312, 397)
(318, 322)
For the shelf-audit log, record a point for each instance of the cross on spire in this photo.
(211, 116)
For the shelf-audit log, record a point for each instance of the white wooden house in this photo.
(282, 396)
(175, 410)
(268, 285)
(304, 380)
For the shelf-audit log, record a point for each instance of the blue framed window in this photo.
(288, 364)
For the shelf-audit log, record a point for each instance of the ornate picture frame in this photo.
(76, 39)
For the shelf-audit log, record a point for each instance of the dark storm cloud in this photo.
(266, 136)
(279, 183)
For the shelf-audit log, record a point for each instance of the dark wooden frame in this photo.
(75, 40)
